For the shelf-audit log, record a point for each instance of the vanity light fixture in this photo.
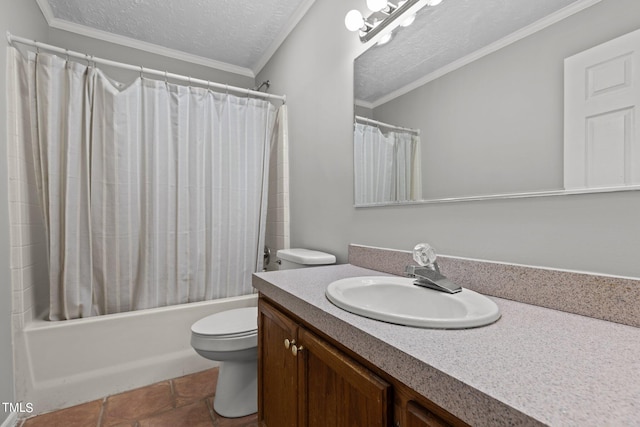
(376, 5)
(392, 15)
(408, 21)
(384, 39)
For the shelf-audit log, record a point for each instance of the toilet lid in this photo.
(306, 256)
(239, 321)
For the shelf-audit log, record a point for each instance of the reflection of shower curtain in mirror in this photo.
(386, 167)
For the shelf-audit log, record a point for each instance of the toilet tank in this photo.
(300, 258)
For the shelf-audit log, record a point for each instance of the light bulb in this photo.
(409, 20)
(376, 5)
(384, 39)
(354, 20)
(433, 2)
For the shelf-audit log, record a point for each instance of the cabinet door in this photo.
(335, 390)
(417, 416)
(277, 369)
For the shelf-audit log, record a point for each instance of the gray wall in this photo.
(597, 232)
(494, 126)
(22, 18)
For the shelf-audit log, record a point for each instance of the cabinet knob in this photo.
(295, 349)
(288, 343)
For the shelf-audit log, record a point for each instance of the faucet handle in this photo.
(410, 270)
(424, 255)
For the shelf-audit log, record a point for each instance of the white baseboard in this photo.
(11, 421)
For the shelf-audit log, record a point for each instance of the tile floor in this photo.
(181, 402)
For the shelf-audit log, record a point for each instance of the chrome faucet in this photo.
(428, 273)
(431, 279)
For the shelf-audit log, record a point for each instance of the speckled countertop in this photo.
(535, 366)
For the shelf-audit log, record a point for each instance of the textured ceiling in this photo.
(236, 32)
(439, 36)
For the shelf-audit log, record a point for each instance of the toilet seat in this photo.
(230, 330)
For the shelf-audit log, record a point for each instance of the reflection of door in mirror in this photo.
(602, 112)
(386, 163)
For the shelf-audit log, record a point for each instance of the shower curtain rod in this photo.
(387, 125)
(90, 58)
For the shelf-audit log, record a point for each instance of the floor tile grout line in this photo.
(174, 384)
(209, 404)
(102, 410)
(174, 398)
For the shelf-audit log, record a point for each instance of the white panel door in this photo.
(602, 112)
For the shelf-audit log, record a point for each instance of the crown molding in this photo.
(503, 42)
(281, 37)
(364, 104)
(46, 10)
(83, 30)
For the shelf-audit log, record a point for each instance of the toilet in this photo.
(231, 338)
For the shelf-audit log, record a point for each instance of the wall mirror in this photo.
(467, 103)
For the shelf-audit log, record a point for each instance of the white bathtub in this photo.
(61, 364)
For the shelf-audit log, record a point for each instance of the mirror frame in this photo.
(505, 196)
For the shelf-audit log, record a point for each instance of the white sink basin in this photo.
(398, 300)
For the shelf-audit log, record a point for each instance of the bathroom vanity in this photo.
(306, 380)
(320, 365)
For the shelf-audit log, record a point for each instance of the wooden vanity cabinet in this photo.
(415, 415)
(413, 410)
(277, 369)
(337, 391)
(304, 380)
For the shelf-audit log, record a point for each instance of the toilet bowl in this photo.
(231, 338)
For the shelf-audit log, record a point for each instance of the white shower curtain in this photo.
(153, 194)
(373, 165)
(408, 166)
(387, 168)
